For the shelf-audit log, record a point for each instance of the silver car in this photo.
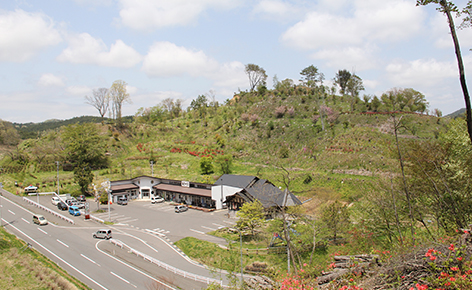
(102, 234)
(181, 208)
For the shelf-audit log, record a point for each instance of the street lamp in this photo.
(152, 168)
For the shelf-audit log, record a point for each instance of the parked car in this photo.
(122, 201)
(70, 200)
(73, 210)
(62, 206)
(156, 199)
(39, 219)
(81, 198)
(181, 208)
(77, 204)
(102, 234)
(55, 200)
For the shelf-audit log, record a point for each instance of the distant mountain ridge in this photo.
(456, 114)
(32, 130)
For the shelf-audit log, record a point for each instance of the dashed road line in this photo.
(25, 220)
(90, 260)
(219, 226)
(121, 278)
(61, 242)
(42, 231)
(11, 212)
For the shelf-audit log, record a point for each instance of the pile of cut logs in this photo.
(348, 264)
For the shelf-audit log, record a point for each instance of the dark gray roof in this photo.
(269, 195)
(241, 181)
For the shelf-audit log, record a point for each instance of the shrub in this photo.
(280, 111)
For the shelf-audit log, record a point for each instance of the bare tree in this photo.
(99, 100)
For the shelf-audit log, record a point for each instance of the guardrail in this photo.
(48, 210)
(167, 267)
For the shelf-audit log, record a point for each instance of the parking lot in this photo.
(159, 219)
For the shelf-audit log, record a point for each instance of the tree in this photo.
(84, 149)
(354, 86)
(311, 77)
(336, 217)
(251, 216)
(341, 79)
(206, 165)
(256, 74)
(118, 95)
(447, 7)
(225, 162)
(99, 100)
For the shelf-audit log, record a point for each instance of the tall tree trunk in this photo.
(461, 67)
(405, 188)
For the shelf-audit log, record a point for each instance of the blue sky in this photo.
(55, 52)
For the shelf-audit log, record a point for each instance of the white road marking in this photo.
(25, 221)
(117, 276)
(231, 223)
(43, 231)
(211, 229)
(90, 260)
(57, 257)
(135, 269)
(197, 231)
(219, 226)
(61, 242)
(12, 212)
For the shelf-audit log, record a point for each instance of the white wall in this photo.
(220, 192)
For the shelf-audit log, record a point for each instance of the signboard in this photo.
(185, 183)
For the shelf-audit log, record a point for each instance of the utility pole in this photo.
(152, 168)
(57, 164)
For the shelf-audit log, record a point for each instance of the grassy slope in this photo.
(24, 268)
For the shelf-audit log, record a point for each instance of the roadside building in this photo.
(234, 190)
(229, 191)
(145, 187)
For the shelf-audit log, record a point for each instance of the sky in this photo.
(53, 53)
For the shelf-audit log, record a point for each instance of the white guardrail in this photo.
(48, 210)
(163, 265)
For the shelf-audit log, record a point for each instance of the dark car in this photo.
(81, 198)
(62, 206)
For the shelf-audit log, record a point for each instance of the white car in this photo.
(55, 200)
(156, 199)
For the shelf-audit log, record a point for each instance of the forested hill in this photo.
(32, 130)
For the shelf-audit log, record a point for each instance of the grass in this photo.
(25, 268)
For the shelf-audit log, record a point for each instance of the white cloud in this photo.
(94, 3)
(388, 21)
(422, 72)
(79, 90)
(85, 49)
(351, 58)
(276, 9)
(151, 14)
(24, 34)
(47, 80)
(166, 59)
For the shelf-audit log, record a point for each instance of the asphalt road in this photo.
(145, 227)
